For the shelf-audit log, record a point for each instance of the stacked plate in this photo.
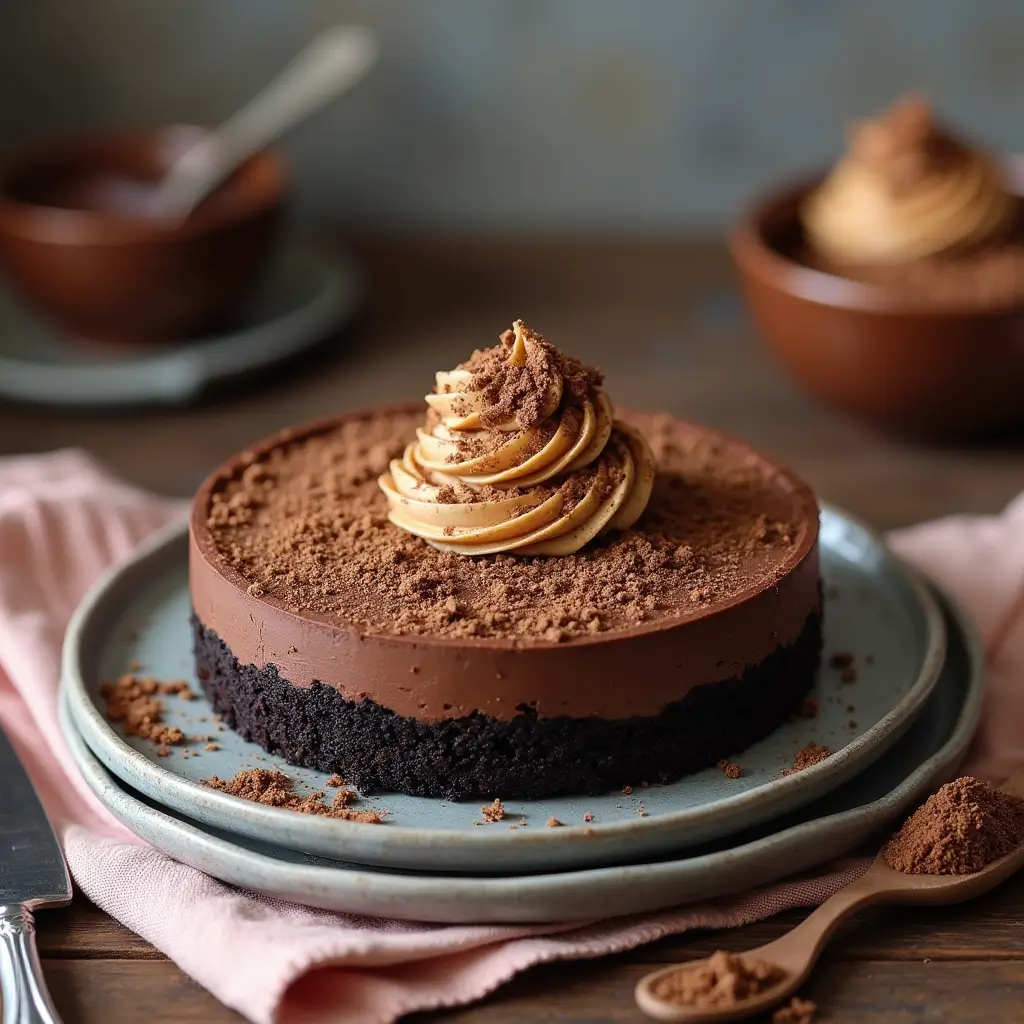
(897, 731)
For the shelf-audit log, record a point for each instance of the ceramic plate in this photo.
(876, 609)
(926, 756)
(309, 292)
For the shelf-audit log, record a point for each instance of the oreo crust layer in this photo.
(526, 757)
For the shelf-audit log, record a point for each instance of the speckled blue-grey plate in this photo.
(921, 760)
(883, 614)
(308, 292)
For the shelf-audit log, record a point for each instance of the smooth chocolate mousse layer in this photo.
(294, 566)
(526, 757)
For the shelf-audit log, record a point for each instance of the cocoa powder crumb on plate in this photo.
(809, 707)
(335, 781)
(493, 811)
(275, 789)
(722, 981)
(841, 659)
(627, 790)
(133, 701)
(554, 823)
(848, 675)
(807, 757)
(134, 665)
(588, 817)
(211, 747)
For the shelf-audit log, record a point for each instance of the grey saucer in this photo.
(876, 608)
(926, 756)
(308, 292)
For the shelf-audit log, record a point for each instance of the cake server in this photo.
(32, 875)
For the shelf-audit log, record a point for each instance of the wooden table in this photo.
(664, 321)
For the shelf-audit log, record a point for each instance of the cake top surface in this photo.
(301, 522)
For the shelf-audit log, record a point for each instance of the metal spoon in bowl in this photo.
(798, 950)
(333, 62)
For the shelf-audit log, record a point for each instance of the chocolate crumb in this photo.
(494, 811)
(841, 659)
(275, 789)
(721, 981)
(163, 751)
(807, 757)
(133, 701)
(211, 747)
(627, 790)
(335, 781)
(554, 823)
(848, 675)
(958, 830)
(588, 816)
(809, 708)
(853, 723)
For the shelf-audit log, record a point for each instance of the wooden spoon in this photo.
(797, 951)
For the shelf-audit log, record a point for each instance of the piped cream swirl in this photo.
(542, 478)
(906, 191)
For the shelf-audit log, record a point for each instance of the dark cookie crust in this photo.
(524, 758)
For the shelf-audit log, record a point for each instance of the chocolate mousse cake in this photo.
(511, 593)
(913, 208)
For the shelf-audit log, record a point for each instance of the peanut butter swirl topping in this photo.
(907, 190)
(520, 453)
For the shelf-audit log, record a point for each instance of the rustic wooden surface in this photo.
(665, 323)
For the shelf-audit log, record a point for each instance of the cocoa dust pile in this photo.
(135, 702)
(723, 980)
(958, 830)
(306, 525)
(275, 789)
(808, 756)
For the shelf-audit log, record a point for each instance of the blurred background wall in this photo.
(528, 115)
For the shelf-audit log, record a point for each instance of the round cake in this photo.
(437, 606)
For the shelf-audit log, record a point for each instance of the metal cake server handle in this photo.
(25, 998)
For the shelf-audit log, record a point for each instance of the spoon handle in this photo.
(335, 60)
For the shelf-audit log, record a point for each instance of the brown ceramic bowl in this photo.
(75, 246)
(949, 373)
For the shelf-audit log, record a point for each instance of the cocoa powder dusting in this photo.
(275, 789)
(518, 393)
(307, 525)
(808, 756)
(958, 830)
(723, 980)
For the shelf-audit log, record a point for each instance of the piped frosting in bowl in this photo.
(520, 453)
(907, 190)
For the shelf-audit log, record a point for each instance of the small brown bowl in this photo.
(74, 244)
(940, 374)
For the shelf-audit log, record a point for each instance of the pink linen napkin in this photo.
(63, 520)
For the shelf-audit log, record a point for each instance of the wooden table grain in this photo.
(664, 320)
